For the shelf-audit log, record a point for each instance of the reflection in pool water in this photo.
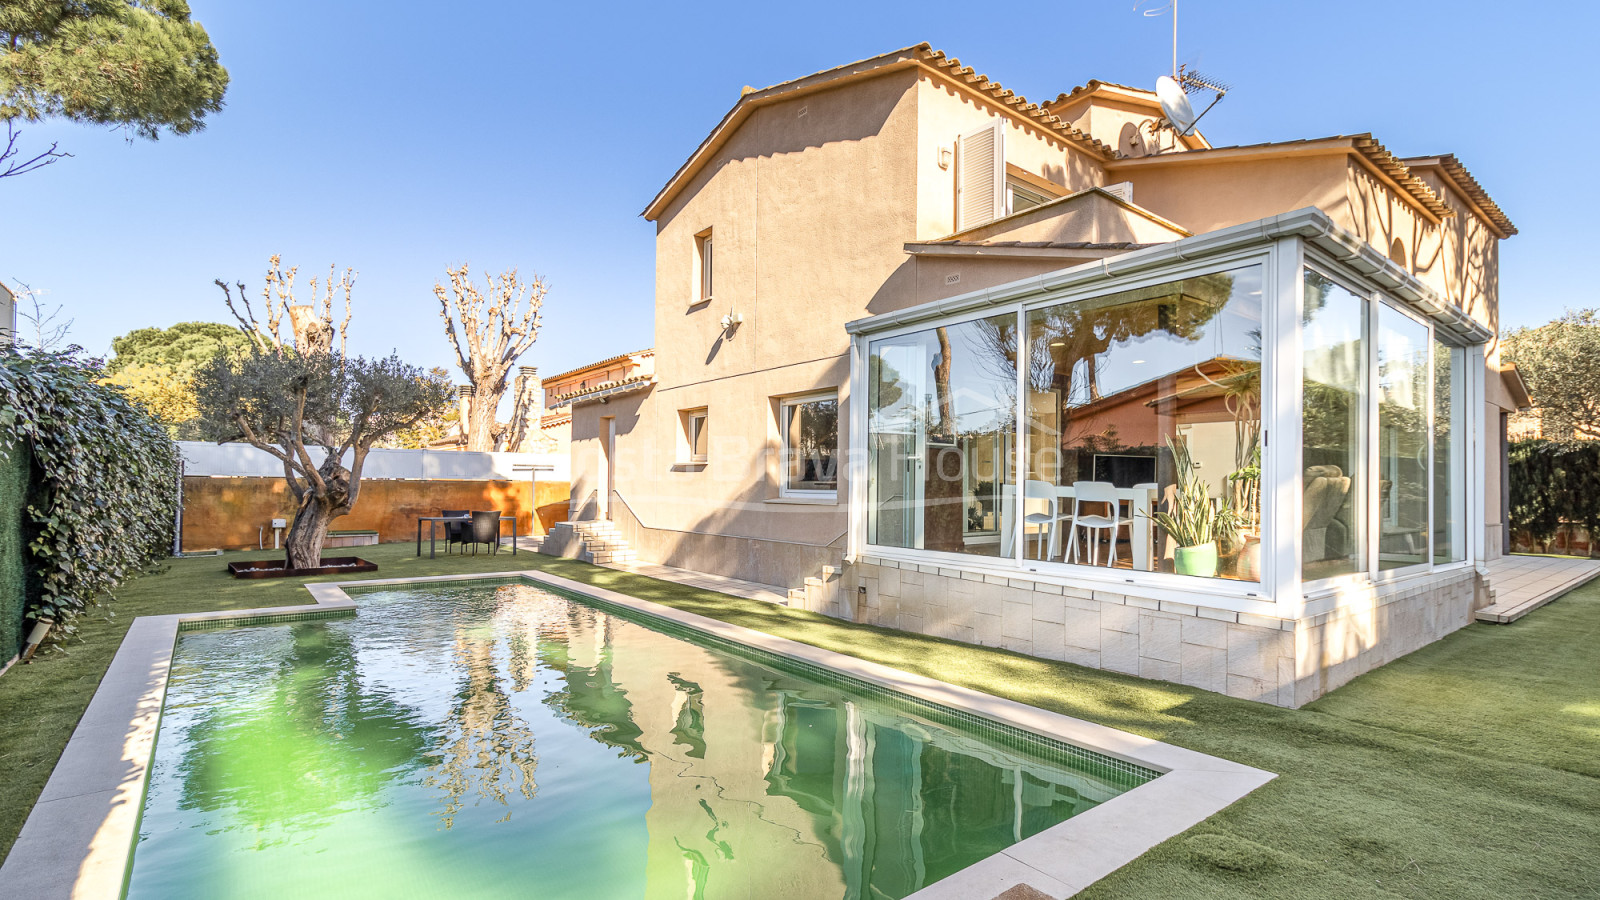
(495, 740)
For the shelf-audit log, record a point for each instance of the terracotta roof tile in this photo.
(1050, 121)
(1469, 185)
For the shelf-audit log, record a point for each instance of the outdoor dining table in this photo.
(1140, 497)
(433, 525)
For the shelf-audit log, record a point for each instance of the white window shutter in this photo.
(980, 176)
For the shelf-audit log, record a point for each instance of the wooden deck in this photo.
(1522, 584)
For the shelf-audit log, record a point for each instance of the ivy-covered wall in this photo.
(13, 575)
(102, 489)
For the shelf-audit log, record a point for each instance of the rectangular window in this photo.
(810, 445)
(1022, 196)
(703, 266)
(1333, 458)
(695, 436)
(1143, 428)
(1403, 439)
(941, 422)
(1449, 453)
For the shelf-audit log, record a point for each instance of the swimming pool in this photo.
(498, 738)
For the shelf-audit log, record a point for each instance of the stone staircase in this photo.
(593, 541)
(822, 594)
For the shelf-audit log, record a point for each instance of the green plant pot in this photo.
(1199, 560)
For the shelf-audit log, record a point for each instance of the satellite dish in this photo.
(1175, 104)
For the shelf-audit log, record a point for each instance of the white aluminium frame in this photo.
(786, 405)
(1284, 254)
(1244, 596)
(1320, 595)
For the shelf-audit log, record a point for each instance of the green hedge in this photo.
(1552, 483)
(102, 493)
(13, 575)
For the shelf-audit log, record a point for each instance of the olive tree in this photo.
(315, 409)
(1560, 361)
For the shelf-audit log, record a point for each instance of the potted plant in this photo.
(1194, 521)
(1244, 490)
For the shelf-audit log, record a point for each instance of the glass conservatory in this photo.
(1260, 413)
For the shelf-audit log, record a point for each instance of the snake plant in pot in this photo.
(1194, 521)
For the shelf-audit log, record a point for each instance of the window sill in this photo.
(689, 465)
(699, 304)
(829, 500)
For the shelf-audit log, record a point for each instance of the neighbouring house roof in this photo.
(605, 390)
(649, 352)
(1375, 156)
(921, 56)
(1457, 174)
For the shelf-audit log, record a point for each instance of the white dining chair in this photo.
(1096, 492)
(1041, 511)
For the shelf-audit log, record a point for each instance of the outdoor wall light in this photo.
(41, 628)
(731, 322)
(944, 157)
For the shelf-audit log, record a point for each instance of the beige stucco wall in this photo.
(1205, 196)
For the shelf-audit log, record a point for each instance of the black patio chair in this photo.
(455, 532)
(485, 530)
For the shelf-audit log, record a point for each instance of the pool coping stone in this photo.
(78, 840)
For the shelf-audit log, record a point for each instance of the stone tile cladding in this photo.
(1284, 662)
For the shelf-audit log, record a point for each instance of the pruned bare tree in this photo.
(311, 329)
(498, 324)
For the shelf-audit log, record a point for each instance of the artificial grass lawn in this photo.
(1468, 769)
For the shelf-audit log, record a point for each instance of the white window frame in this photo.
(1245, 596)
(704, 267)
(1322, 594)
(695, 422)
(785, 407)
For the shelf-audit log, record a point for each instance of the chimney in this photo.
(529, 375)
(465, 392)
(528, 409)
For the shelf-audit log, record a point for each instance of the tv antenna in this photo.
(1173, 90)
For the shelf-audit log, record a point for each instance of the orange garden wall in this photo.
(229, 512)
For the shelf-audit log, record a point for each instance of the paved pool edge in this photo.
(78, 840)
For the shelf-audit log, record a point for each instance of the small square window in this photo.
(810, 428)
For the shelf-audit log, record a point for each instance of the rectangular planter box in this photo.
(276, 568)
(351, 539)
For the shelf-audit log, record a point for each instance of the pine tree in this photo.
(144, 65)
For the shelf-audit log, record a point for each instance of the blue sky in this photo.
(402, 138)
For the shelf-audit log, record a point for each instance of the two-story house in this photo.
(1056, 379)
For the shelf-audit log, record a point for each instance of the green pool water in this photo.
(496, 739)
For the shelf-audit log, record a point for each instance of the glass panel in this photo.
(698, 440)
(1335, 365)
(1449, 453)
(941, 415)
(1144, 424)
(810, 442)
(1402, 440)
